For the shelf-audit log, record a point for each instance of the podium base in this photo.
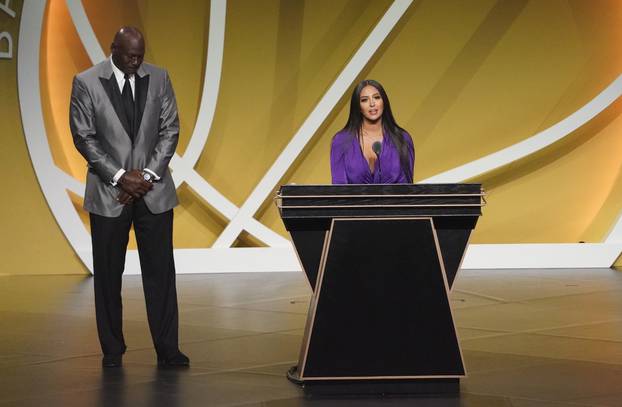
(375, 387)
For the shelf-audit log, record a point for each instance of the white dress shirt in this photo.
(120, 77)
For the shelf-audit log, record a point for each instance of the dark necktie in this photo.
(128, 104)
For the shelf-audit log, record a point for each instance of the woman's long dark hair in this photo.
(389, 126)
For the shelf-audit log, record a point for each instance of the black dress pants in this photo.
(154, 235)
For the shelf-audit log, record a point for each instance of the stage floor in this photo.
(530, 338)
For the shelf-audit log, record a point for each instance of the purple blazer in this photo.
(349, 166)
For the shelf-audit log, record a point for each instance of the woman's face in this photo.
(371, 103)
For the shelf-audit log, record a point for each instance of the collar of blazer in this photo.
(109, 82)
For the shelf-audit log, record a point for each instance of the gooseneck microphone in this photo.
(377, 149)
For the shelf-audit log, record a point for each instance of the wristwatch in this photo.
(148, 177)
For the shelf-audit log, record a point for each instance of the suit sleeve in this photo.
(82, 125)
(337, 162)
(168, 131)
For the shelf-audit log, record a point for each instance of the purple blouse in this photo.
(349, 166)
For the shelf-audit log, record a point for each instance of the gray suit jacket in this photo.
(101, 134)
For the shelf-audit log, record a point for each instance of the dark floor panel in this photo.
(541, 403)
(52, 341)
(485, 362)
(44, 380)
(277, 369)
(530, 338)
(245, 352)
(172, 389)
(608, 331)
(460, 299)
(232, 289)
(546, 346)
(471, 333)
(243, 319)
(519, 317)
(536, 283)
(564, 381)
(292, 305)
(610, 400)
(464, 400)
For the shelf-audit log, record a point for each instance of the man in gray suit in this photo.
(124, 122)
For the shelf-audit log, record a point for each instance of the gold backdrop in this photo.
(465, 78)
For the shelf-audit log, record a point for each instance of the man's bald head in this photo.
(128, 49)
(127, 34)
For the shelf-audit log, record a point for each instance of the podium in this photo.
(381, 260)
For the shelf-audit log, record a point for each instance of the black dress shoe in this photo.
(112, 361)
(177, 360)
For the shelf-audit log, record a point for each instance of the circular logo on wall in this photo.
(221, 257)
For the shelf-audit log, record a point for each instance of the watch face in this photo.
(147, 176)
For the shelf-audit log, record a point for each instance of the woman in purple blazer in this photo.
(371, 148)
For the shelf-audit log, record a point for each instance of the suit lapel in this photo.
(112, 90)
(142, 87)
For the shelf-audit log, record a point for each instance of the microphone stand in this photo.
(377, 148)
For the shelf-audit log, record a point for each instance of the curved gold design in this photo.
(466, 80)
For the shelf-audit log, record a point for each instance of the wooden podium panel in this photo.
(381, 310)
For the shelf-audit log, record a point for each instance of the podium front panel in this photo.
(381, 307)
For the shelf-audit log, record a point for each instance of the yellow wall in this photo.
(31, 241)
(465, 78)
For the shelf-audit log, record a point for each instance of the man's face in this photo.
(128, 53)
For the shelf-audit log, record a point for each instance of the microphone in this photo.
(377, 149)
